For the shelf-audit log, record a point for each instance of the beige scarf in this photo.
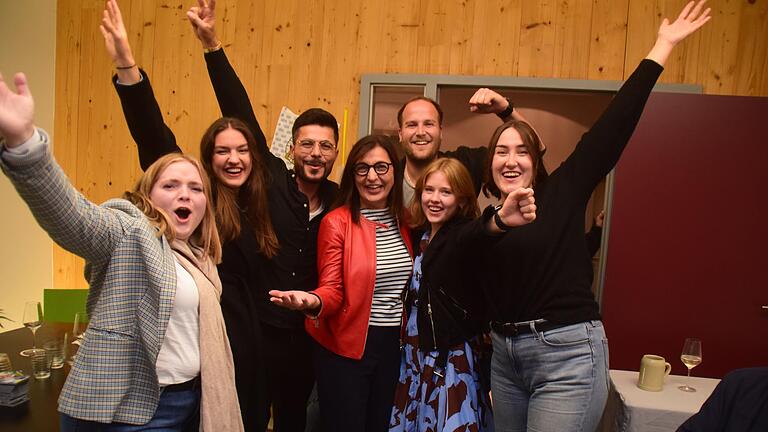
(219, 407)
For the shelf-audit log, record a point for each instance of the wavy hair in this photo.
(251, 197)
(461, 185)
(205, 236)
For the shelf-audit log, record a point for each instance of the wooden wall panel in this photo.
(312, 53)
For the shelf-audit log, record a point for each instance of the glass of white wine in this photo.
(33, 319)
(691, 357)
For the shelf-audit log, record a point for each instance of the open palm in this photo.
(17, 111)
(689, 20)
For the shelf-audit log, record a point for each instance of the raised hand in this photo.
(519, 208)
(689, 20)
(115, 35)
(487, 101)
(203, 20)
(17, 111)
(295, 300)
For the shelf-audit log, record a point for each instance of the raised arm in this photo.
(72, 221)
(231, 95)
(487, 101)
(690, 19)
(600, 148)
(142, 113)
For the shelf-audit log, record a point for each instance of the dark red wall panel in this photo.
(688, 235)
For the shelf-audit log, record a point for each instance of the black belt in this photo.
(514, 329)
(192, 384)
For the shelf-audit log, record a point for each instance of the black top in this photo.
(543, 270)
(295, 265)
(242, 263)
(594, 237)
(474, 159)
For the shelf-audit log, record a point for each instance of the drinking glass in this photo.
(691, 357)
(56, 351)
(41, 363)
(33, 319)
(5, 363)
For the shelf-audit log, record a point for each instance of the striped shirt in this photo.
(393, 269)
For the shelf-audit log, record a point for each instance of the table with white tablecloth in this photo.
(631, 409)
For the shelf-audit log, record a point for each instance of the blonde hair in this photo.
(461, 184)
(205, 235)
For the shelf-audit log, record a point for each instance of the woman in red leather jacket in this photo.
(355, 314)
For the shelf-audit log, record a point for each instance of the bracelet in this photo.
(508, 111)
(125, 67)
(501, 225)
(213, 49)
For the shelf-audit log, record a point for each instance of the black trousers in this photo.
(289, 375)
(357, 395)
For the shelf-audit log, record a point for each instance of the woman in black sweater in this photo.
(232, 157)
(550, 359)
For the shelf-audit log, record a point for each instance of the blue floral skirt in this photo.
(430, 400)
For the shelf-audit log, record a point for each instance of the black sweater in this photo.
(295, 265)
(543, 270)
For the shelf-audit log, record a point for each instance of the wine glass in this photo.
(691, 357)
(33, 319)
(78, 328)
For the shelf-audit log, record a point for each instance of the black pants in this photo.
(357, 395)
(289, 374)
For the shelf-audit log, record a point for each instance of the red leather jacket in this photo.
(346, 261)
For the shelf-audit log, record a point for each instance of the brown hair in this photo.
(461, 184)
(420, 98)
(251, 196)
(205, 235)
(532, 144)
(348, 193)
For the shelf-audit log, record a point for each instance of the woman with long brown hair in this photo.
(239, 180)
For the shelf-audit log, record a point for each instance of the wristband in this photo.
(125, 67)
(501, 225)
(508, 111)
(212, 49)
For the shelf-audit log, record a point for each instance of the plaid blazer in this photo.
(132, 281)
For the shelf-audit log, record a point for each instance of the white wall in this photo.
(28, 35)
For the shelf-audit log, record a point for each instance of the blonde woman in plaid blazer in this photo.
(142, 254)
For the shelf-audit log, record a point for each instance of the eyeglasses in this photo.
(326, 147)
(362, 169)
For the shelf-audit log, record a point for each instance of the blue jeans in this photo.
(555, 380)
(177, 411)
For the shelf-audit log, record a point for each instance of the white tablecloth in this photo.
(634, 410)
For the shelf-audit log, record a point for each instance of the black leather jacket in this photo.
(450, 300)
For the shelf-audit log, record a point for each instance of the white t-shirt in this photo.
(179, 357)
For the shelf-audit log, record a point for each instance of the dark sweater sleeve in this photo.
(231, 95)
(599, 149)
(145, 121)
(593, 238)
(475, 159)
